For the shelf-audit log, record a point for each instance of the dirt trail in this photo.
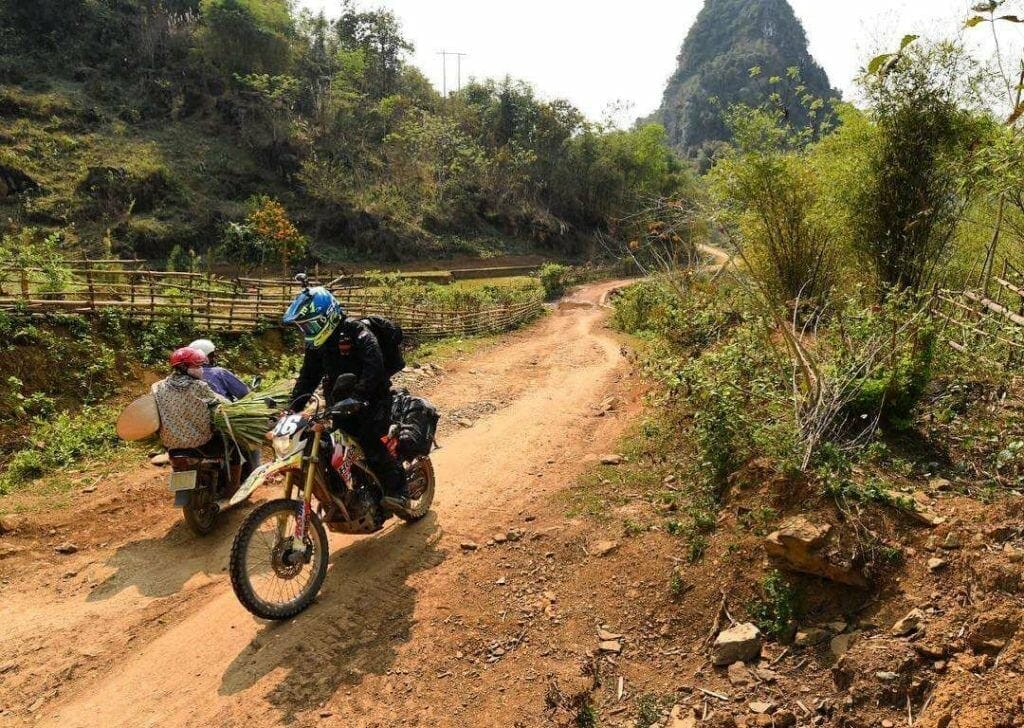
(140, 627)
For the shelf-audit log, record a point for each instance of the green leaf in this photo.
(976, 20)
(907, 40)
(878, 61)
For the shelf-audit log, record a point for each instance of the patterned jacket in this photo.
(184, 407)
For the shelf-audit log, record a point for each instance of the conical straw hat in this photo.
(139, 420)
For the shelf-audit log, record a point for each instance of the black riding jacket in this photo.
(351, 349)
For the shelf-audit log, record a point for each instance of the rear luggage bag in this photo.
(417, 420)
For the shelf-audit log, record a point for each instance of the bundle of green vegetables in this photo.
(248, 420)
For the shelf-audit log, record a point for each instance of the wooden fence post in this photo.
(92, 290)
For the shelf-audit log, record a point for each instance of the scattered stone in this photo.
(468, 546)
(612, 460)
(669, 480)
(935, 564)
(837, 627)
(939, 484)
(612, 646)
(161, 460)
(326, 714)
(939, 666)
(465, 423)
(886, 676)
(841, 643)
(603, 548)
(682, 717)
(501, 581)
(952, 542)
(89, 489)
(740, 676)
(762, 708)
(606, 636)
(886, 723)
(66, 548)
(810, 636)
(741, 643)
(909, 624)
(799, 545)
(11, 523)
(499, 538)
(514, 535)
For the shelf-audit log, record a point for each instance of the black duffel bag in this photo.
(417, 424)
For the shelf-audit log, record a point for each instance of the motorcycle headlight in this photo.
(282, 445)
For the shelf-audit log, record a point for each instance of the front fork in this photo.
(302, 522)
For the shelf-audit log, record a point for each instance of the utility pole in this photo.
(444, 74)
(444, 70)
(459, 57)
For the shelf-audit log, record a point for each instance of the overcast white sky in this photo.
(594, 53)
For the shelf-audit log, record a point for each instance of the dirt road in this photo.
(140, 627)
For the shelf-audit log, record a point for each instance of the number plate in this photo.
(185, 480)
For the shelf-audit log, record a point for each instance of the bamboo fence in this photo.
(986, 324)
(238, 304)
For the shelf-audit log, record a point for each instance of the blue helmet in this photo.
(317, 314)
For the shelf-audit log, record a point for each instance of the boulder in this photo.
(799, 545)
(741, 643)
(612, 460)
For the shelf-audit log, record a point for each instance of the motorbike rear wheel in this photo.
(201, 512)
(421, 490)
(271, 577)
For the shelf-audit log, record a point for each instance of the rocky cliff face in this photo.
(730, 38)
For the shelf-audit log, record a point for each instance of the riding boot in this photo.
(396, 490)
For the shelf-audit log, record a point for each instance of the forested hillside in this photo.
(155, 127)
(738, 51)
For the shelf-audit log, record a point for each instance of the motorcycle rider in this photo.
(221, 380)
(183, 401)
(337, 344)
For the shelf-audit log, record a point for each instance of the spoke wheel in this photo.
(420, 479)
(273, 575)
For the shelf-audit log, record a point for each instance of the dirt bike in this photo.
(203, 480)
(280, 554)
(202, 487)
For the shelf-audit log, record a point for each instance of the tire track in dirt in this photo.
(162, 641)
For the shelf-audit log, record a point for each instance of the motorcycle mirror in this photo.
(343, 386)
(256, 383)
(303, 280)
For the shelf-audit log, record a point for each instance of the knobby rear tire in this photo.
(200, 514)
(240, 580)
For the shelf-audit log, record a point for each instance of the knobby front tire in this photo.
(266, 585)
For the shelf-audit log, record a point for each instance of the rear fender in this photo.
(263, 473)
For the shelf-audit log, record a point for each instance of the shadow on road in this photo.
(160, 567)
(364, 612)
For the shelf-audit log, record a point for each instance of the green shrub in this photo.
(774, 611)
(553, 277)
(61, 441)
